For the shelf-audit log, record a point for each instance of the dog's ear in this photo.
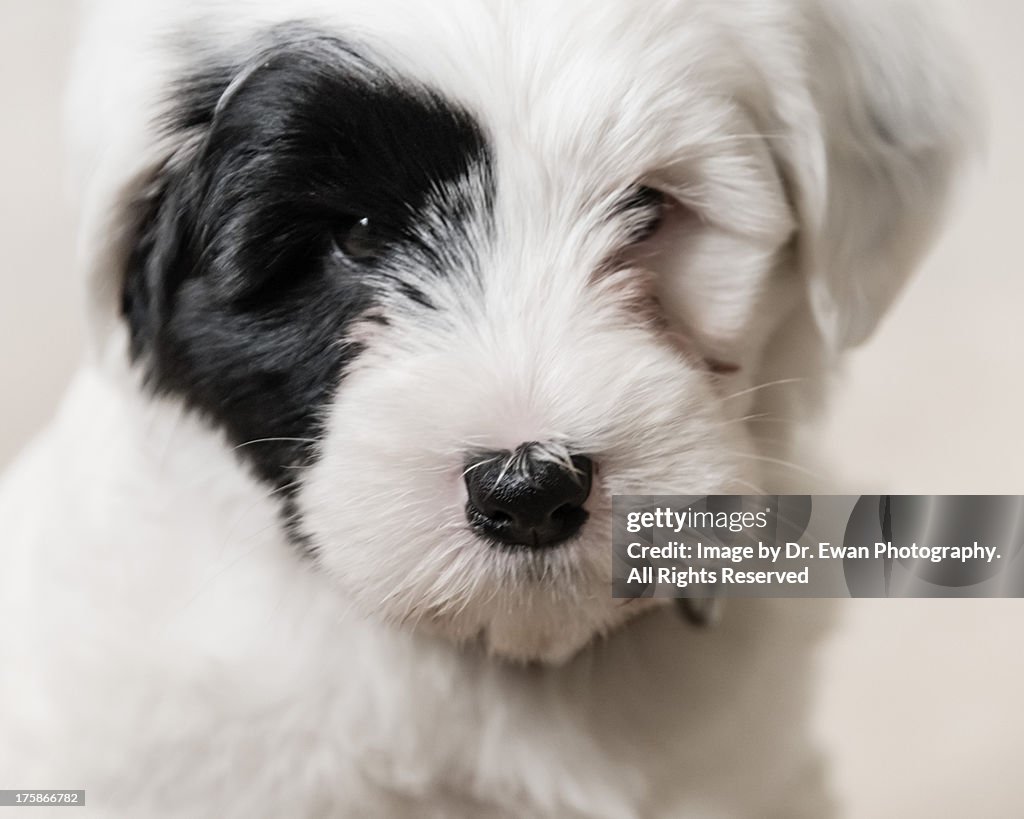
(182, 218)
(158, 212)
(869, 141)
(158, 216)
(171, 218)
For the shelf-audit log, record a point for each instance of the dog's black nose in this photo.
(525, 498)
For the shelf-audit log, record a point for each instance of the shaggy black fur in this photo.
(299, 176)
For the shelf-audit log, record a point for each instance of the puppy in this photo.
(389, 299)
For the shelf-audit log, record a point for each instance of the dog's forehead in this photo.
(565, 81)
(618, 84)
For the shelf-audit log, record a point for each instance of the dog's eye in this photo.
(645, 208)
(358, 241)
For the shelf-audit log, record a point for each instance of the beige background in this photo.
(923, 701)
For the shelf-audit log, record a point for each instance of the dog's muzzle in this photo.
(523, 499)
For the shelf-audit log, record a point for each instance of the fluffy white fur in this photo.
(166, 649)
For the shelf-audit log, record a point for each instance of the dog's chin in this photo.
(530, 636)
(518, 606)
(553, 638)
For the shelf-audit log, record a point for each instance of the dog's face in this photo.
(451, 280)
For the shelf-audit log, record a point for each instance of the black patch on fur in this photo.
(237, 290)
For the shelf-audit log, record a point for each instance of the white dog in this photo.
(390, 298)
